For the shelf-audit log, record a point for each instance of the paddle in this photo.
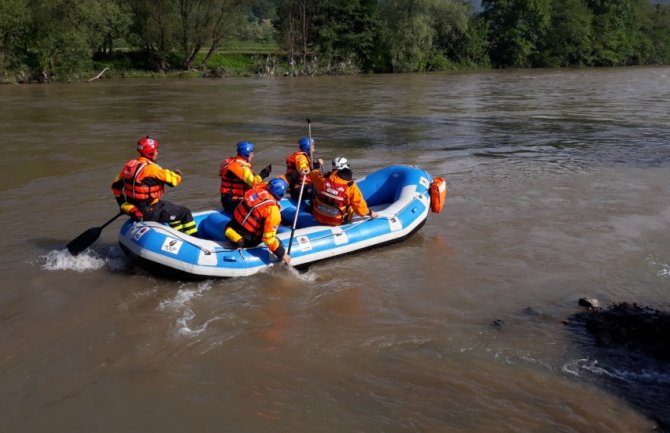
(295, 218)
(309, 135)
(302, 188)
(86, 239)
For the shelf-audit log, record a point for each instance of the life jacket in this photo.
(231, 182)
(330, 206)
(292, 166)
(251, 211)
(136, 191)
(438, 194)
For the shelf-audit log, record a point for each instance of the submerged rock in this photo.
(628, 346)
(640, 328)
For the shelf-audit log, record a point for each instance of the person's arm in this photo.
(125, 207)
(302, 164)
(244, 173)
(270, 226)
(358, 203)
(317, 179)
(117, 188)
(169, 177)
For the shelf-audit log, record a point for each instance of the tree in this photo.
(460, 35)
(408, 34)
(347, 31)
(156, 24)
(659, 34)
(617, 36)
(568, 38)
(14, 24)
(516, 27)
(295, 24)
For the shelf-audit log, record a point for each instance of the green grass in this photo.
(250, 47)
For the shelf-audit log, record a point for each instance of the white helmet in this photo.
(340, 162)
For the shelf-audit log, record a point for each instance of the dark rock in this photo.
(638, 328)
(589, 302)
(498, 323)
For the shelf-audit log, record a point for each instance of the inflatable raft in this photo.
(401, 195)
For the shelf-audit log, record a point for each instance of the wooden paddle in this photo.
(86, 239)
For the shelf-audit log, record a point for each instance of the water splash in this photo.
(90, 260)
(182, 302)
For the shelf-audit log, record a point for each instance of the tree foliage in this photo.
(62, 38)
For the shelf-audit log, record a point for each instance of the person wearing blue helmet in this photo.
(298, 164)
(237, 175)
(257, 217)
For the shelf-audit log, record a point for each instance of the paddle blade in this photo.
(84, 240)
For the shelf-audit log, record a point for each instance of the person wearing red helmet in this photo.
(141, 183)
(237, 176)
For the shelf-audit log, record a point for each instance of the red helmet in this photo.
(147, 147)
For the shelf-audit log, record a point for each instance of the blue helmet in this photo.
(244, 148)
(305, 144)
(277, 187)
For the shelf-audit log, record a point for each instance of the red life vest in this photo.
(330, 204)
(292, 165)
(136, 191)
(230, 172)
(252, 210)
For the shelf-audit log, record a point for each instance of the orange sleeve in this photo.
(157, 172)
(317, 179)
(302, 163)
(245, 174)
(356, 200)
(272, 220)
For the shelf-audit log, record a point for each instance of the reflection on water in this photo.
(557, 188)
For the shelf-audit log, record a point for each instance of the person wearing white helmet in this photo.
(337, 197)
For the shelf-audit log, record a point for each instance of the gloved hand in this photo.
(318, 163)
(265, 172)
(135, 213)
(132, 211)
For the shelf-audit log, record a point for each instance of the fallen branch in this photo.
(99, 75)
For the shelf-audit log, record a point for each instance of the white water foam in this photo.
(578, 366)
(663, 269)
(62, 260)
(182, 302)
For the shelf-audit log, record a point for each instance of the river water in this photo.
(558, 188)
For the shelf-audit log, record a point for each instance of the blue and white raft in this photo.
(401, 195)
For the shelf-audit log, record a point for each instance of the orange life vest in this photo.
(136, 191)
(250, 213)
(330, 205)
(231, 183)
(438, 194)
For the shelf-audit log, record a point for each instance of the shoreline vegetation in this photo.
(44, 41)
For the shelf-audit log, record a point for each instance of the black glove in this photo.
(266, 171)
(317, 165)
